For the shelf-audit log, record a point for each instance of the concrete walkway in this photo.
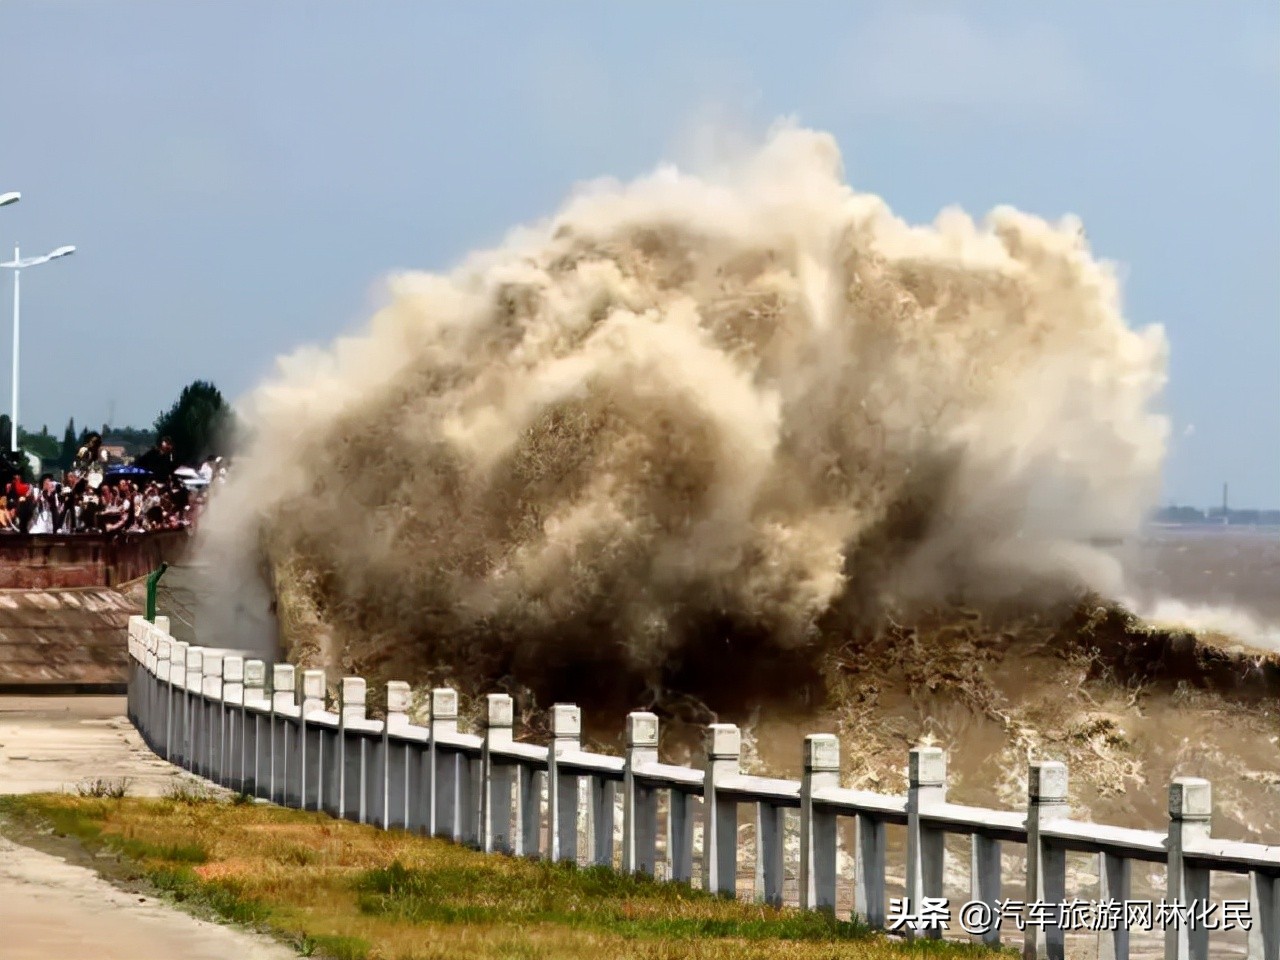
(50, 909)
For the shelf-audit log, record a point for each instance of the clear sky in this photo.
(237, 175)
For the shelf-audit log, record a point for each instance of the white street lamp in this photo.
(8, 198)
(17, 264)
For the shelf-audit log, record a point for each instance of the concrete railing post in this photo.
(263, 741)
(352, 694)
(145, 662)
(926, 786)
(770, 823)
(530, 782)
(133, 676)
(283, 678)
(144, 673)
(1190, 812)
(159, 668)
(869, 871)
(139, 661)
(210, 714)
(149, 718)
(138, 657)
(150, 715)
(251, 725)
(603, 804)
(191, 708)
(470, 770)
(147, 650)
(313, 690)
(233, 678)
(138, 673)
(1046, 862)
(148, 667)
(175, 697)
(140, 664)
(496, 781)
(562, 788)
(145, 689)
(720, 815)
(639, 801)
(417, 765)
(444, 772)
(310, 754)
(985, 883)
(1264, 911)
(391, 775)
(1114, 879)
(818, 847)
(157, 702)
(230, 734)
(680, 822)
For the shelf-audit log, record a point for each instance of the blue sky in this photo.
(237, 175)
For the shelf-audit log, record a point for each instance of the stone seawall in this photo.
(47, 561)
(61, 612)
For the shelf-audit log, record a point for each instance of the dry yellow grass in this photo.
(353, 892)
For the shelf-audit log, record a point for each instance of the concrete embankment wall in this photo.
(45, 561)
(61, 615)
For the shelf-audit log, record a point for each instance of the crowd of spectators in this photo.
(95, 496)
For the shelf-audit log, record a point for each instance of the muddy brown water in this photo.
(1166, 728)
(1229, 566)
(1153, 727)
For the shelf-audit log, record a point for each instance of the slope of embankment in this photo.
(65, 603)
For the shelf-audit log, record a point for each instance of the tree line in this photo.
(199, 422)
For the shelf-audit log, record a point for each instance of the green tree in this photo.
(43, 444)
(69, 445)
(200, 423)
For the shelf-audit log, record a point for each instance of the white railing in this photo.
(232, 721)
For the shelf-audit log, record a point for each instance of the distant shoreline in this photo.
(1214, 517)
(1212, 525)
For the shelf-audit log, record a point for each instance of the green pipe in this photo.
(153, 578)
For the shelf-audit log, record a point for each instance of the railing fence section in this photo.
(253, 728)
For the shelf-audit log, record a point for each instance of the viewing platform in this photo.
(48, 561)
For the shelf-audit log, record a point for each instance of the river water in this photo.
(1226, 578)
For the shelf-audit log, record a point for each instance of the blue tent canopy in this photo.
(126, 471)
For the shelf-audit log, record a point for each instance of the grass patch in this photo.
(337, 890)
(100, 788)
(188, 792)
(593, 898)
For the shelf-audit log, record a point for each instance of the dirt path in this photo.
(51, 909)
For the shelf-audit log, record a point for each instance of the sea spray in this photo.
(693, 417)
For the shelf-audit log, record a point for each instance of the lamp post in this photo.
(17, 265)
(8, 198)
